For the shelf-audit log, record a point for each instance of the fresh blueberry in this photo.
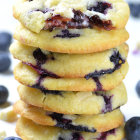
(5, 61)
(138, 88)
(135, 9)
(132, 129)
(3, 94)
(12, 138)
(5, 41)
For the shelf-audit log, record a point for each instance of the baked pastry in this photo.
(71, 65)
(61, 41)
(69, 102)
(29, 130)
(39, 15)
(29, 77)
(83, 123)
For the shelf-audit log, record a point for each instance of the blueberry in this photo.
(12, 138)
(138, 88)
(39, 56)
(101, 7)
(5, 41)
(5, 61)
(3, 94)
(67, 34)
(135, 9)
(132, 129)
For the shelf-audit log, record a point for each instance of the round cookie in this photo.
(64, 14)
(89, 40)
(29, 77)
(29, 130)
(71, 65)
(83, 123)
(68, 102)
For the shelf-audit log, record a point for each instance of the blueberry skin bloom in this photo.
(12, 138)
(132, 129)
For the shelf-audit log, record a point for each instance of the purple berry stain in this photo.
(104, 135)
(40, 57)
(67, 123)
(116, 59)
(79, 21)
(107, 100)
(44, 90)
(98, 84)
(77, 136)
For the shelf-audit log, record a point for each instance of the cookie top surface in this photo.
(39, 15)
(67, 41)
(69, 102)
(29, 130)
(83, 123)
(71, 65)
(29, 77)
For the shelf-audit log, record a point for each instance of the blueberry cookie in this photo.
(72, 40)
(83, 123)
(71, 65)
(29, 130)
(39, 15)
(69, 102)
(29, 77)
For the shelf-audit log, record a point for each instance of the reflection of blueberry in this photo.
(5, 62)
(135, 9)
(138, 88)
(3, 94)
(5, 40)
(132, 129)
(12, 138)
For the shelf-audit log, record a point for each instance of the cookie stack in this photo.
(73, 61)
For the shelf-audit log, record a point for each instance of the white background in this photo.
(132, 108)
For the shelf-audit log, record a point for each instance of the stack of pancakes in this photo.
(73, 60)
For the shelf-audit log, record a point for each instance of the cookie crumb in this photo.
(8, 115)
(2, 135)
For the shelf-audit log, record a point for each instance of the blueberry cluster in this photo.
(5, 62)
(5, 41)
